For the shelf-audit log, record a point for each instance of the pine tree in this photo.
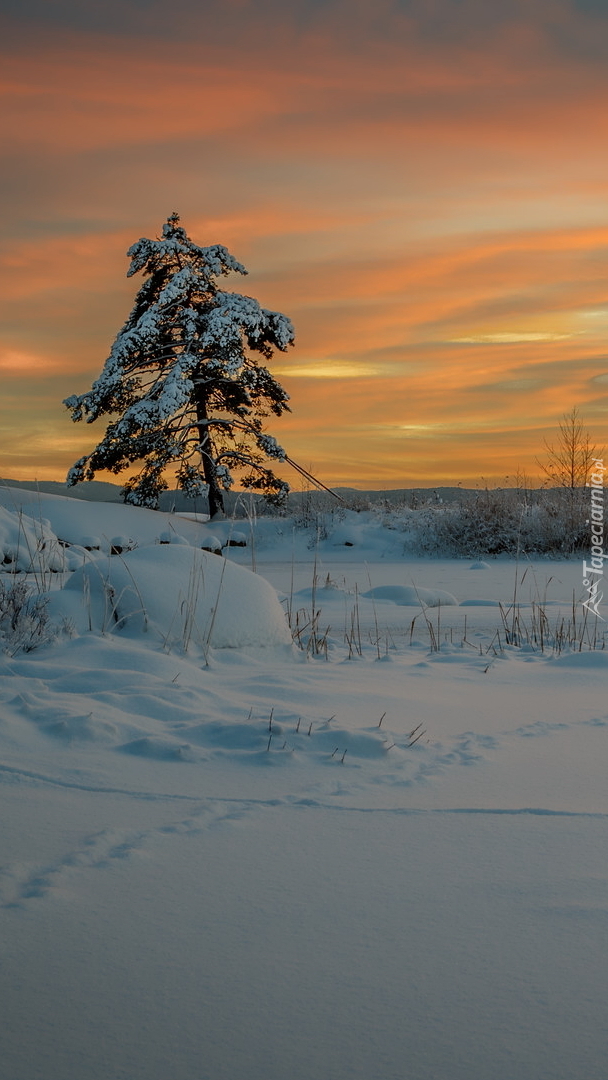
(182, 378)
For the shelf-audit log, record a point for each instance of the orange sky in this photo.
(421, 187)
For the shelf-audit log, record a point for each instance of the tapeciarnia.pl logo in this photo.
(594, 571)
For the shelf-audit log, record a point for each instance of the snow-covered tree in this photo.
(184, 381)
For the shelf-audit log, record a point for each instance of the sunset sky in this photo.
(421, 185)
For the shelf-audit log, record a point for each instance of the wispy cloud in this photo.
(511, 337)
(422, 187)
(334, 369)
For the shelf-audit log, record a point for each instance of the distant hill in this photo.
(92, 491)
(298, 501)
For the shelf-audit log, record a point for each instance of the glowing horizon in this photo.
(424, 196)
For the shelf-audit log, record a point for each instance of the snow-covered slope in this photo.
(72, 521)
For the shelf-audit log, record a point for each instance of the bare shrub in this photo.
(24, 622)
(503, 521)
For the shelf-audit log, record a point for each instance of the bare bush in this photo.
(24, 622)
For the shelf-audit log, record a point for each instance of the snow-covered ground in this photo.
(379, 856)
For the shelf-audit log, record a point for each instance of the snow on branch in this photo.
(183, 370)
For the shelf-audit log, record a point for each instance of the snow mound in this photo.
(298, 735)
(179, 593)
(78, 728)
(29, 545)
(211, 543)
(410, 595)
(70, 519)
(157, 749)
(597, 658)
(169, 536)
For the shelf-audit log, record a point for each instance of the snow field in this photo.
(241, 861)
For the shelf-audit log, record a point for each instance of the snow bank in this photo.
(73, 520)
(181, 594)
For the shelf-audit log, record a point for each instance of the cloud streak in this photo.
(421, 187)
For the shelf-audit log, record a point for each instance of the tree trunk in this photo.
(215, 495)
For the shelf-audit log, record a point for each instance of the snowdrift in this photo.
(29, 545)
(74, 521)
(179, 594)
(412, 596)
(164, 587)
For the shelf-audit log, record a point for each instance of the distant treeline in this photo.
(243, 501)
